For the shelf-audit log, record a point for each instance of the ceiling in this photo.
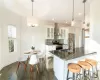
(59, 10)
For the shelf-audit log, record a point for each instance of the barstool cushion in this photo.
(84, 65)
(75, 68)
(91, 61)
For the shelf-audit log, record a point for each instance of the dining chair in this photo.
(42, 59)
(33, 62)
(22, 60)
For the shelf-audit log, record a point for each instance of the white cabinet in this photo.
(50, 32)
(49, 62)
(63, 33)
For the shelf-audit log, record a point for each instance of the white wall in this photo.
(95, 26)
(7, 17)
(32, 36)
(0, 47)
(1, 4)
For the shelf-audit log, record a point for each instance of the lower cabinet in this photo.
(49, 56)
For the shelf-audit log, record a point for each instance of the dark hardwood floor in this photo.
(9, 73)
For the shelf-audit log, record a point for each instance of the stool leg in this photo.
(80, 76)
(74, 78)
(77, 75)
(97, 73)
(89, 76)
(67, 75)
(92, 73)
(83, 72)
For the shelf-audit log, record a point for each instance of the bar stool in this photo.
(85, 67)
(93, 63)
(75, 69)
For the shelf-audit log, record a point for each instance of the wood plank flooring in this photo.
(9, 73)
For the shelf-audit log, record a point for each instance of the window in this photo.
(12, 38)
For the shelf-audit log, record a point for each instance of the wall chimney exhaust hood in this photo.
(56, 34)
(56, 31)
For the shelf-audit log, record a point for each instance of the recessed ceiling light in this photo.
(79, 14)
(66, 22)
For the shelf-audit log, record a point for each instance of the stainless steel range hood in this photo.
(56, 31)
(56, 34)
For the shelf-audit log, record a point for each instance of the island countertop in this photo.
(66, 55)
(63, 57)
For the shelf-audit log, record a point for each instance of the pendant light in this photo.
(31, 22)
(32, 6)
(84, 1)
(73, 22)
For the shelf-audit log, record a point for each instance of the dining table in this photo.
(31, 53)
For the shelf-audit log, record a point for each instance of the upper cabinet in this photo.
(50, 32)
(63, 33)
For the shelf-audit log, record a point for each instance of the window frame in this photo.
(12, 38)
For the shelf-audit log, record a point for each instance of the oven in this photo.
(59, 47)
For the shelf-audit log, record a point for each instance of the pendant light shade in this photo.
(73, 22)
(32, 6)
(84, 1)
(32, 22)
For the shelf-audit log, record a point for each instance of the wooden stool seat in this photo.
(84, 65)
(75, 68)
(92, 62)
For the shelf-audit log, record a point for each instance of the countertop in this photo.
(66, 55)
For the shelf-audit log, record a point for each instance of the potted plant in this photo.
(32, 48)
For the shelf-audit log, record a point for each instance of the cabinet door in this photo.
(61, 33)
(64, 33)
(48, 32)
(52, 33)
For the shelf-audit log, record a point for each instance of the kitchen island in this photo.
(63, 57)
